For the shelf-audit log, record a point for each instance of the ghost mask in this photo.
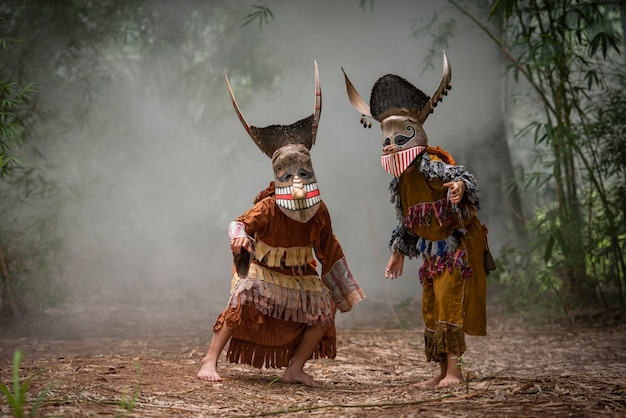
(297, 194)
(402, 109)
(296, 191)
(403, 140)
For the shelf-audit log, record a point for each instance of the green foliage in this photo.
(603, 194)
(129, 401)
(12, 100)
(567, 52)
(32, 245)
(75, 51)
(507, 5)
(439, 33)
(16, 397)
(261, 13)
(461, 364)
(527, 282)
(29, 209)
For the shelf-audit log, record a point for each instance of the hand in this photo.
(237, 243)
(394, 266)
(457, 189)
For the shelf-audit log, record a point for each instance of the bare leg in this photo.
(454, 374)
(295, 371)
(434, 381)
(208, 371)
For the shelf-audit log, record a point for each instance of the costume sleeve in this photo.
(441, 165)
(336, 275)
(470, 203)
(248, 225)
(255, 219)
(401, 242)
(471, 186)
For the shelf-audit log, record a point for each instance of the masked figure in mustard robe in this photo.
(281, 311)
(436, 204)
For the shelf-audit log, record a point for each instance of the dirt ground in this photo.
(143, 371)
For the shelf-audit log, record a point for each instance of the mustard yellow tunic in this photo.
(283, 292)
(452, 243)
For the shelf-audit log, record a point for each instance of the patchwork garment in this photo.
(452, 243)
(282, 292)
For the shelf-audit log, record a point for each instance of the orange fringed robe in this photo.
(283, 292)
(452, 242)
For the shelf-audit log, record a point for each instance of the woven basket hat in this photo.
(273, 137)
(392, 95)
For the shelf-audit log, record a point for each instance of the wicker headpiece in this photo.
(393, 95)
(273, 137)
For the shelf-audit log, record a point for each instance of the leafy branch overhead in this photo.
(13, 99)
(568, 52)
(565, 65)
(251, 13)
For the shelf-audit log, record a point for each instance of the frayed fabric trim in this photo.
(302, 299)
(282, 256)
(438, 169)
(345, 290)
(421, 214)
(438, 256)
(245, 352)
(434, 266)
(446, 172)
(402, 241)
(446, 338)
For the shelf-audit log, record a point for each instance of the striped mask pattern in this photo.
(396, 163)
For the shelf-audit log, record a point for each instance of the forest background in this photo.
(123, 161)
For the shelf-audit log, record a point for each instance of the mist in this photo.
(147, 238)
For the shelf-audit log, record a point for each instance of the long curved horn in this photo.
(317, 109)
(442, 90)
(236, 106)
(355, 98)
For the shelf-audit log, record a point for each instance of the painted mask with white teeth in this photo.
(297, 193)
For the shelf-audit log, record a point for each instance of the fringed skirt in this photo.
(270, 312)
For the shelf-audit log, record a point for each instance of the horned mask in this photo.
(296, 191)
(401, 108)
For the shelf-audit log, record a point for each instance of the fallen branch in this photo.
(367, 405)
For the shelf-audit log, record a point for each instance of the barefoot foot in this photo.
(433, 381)
(449, 381)
(208, 372)
(294, 376)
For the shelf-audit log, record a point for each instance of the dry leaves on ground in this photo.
(512, 372)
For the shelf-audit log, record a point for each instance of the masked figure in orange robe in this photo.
(281, 311)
